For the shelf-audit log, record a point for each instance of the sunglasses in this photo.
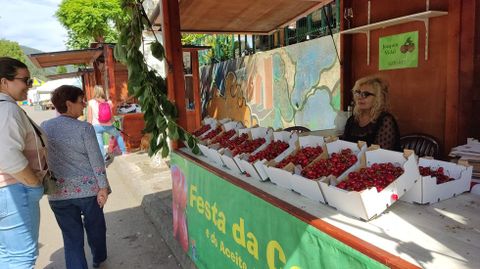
(28, 81)
(363, 94)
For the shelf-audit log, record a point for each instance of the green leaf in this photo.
(165, 150)
(196, 149)
(190, 141)
(138, 91)
(149, 123)
(181, 134)
(120, 53)
(153, 146)
(161, 123)
(172, 130)
(157, 50)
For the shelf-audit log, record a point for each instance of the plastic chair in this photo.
(298, 129)
(421, 144)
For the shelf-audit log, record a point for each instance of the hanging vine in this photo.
(147, 85)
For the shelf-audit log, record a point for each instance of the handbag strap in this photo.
(37, 131)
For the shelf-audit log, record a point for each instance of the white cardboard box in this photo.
(311, 188)
(370, 203)
(203, 149)
(427, 191)
(214, 150)
(290, 138)
(283, 177)
(257, 169)
(258, 132)
(226, 155)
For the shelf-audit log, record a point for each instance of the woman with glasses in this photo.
(22, 168)
(77, 163)
(371, 122)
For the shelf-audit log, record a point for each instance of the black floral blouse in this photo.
(384, 132)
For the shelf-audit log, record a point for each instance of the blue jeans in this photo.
(111, 130)
(19, 224)
(69, 217)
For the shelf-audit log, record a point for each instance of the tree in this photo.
(222, 46)
(90, 21)
(11, 49)
(61, 69)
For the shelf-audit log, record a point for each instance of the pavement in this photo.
(138, 215)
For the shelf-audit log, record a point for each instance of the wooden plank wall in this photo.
(435, 98)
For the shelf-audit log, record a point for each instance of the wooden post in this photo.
(174, 57)
(196, 87)
(110, 74)
(453, 83)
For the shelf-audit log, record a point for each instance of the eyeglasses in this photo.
(363, 94)
(28, 81)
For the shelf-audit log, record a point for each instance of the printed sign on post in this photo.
(398, 51)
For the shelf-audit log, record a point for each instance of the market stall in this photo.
(228, 212)
(106, 71)
(224, 218)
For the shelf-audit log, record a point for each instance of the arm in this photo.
(89, 113)
(387, 133)
(97, 164)
(12, 139)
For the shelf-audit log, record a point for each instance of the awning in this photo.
(49, 59)
(246, 17)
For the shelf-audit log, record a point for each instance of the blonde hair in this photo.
(380, 89)
(98, 92)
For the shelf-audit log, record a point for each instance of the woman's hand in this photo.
(29, 178)
(102, 197)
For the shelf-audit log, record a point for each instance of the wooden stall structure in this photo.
(102, 69)
(192, 86)
(444, 77)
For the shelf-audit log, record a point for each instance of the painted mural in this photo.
(293, 85)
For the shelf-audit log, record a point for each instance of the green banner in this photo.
(224, 226)
(398, 51)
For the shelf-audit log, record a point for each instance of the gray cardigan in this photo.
(74, 158)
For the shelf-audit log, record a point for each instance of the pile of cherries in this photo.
(223, 137)
(335, 165)
(212, 133)
(303, 157)
(270, 152)
(202, 130)
(439, 174)
(378, 175)
(248, 146)
(231, 144)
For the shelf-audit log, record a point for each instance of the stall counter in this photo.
(442, 235)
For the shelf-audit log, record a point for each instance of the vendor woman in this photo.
(371, 122)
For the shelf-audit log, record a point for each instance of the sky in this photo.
(32, 23)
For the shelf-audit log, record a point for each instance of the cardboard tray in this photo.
(427, 191)
(370, 203)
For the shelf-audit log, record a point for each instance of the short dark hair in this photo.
(9, 67)
(63, 94)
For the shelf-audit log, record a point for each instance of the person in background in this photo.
(371, 122)
(77, 163)
(22, 168)
(99, 114)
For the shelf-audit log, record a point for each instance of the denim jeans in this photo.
(19, 224)
(69, 217)
(111, 130)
